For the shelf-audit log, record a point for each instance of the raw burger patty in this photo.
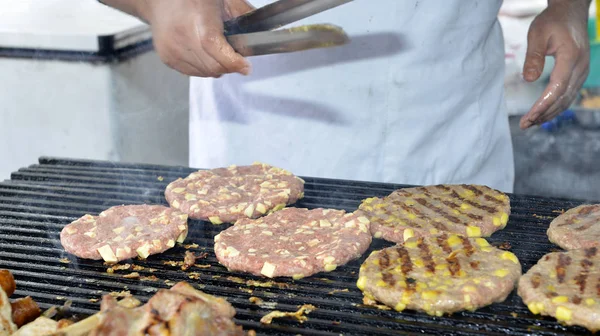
(565, 285)
(293, 242)
(439, 274)
(577, 228)
(123, 232)
(224, 195)
(470, 210)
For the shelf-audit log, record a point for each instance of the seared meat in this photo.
(577, 228)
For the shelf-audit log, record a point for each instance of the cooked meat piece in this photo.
(565, 285)
(293, 242)
(298, 315)
(577, 228)
(24, 310)
(7, 282)
(124, 232)
(7, 327)
(181, 310)
(188, 260)
(42, 326)
(439, 274)
(224, 195)
(469, 210)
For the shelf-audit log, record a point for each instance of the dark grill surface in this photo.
(38, 201)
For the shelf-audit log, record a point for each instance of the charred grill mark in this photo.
(453, 265)
(406, 263)
(423, 202)
(474, 189)
(474, 265)
(580, 280)
(454, 206)
(586, 210)
(410, 284)
(576, 300)
(550, 295)
(384, 261)
(486, 208)
(591, 252)
(412, 210)
(469, 250)
(388, 278)
(443, 242)
(585, 226)
(561, 267)
(598, 287)
(426, 255)
(536, 280)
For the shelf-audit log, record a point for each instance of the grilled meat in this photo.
(182, 310)
(577, 228)
(439, 274)
(293, 242)
(470, 210)
(565, 285)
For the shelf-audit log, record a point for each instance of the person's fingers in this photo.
(537, 44)
(235, 8)
(559, 83)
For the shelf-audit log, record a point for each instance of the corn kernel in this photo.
(467, 298)
(330, 267)
(496, 221)
(465, 206)
(361, 283)
(560, 299)
(215, 220)
(590, 301)
(400, 307)
(563, 313)
(482, 242)
(536, 307)
(473, 231)
(433, 231)
(501, 272)
(454, 240)
(409, 202)
(470, 289)
(429, 295)
(419, 263)
(408, 233)
(411, 244)
(381, 283)
(411, 216)
(504, 218)
(509, 256)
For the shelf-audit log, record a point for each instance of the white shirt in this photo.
(415, 98)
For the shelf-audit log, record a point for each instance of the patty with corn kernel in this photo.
(565, 285)
(470, 210)
(439, 274)
(124, 232)
(293, 242)
(224, 195)
(577, 228)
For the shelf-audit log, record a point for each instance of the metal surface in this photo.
(278, 14)
(38, 201)
(288, 40)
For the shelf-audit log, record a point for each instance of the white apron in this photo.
(416, 98)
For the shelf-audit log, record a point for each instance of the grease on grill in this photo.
(255, 283)
(132, 275)
(261, 303)
(64, 260)
(118, 267)
(503, 245)
(338, 291)
(298, 315)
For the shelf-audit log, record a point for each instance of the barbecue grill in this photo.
(39, 200)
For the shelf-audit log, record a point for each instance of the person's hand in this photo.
(188, 35)
(561, 31)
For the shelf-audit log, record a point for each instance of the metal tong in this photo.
(253, 34)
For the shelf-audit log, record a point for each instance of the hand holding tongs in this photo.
(251, 35)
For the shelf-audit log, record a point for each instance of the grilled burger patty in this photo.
(124, 232)
(293, 242)
(565, 285)
(439, 274)
(577, 228)
(224, 195)
(470, 210)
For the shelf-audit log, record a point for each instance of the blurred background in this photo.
(81, 80)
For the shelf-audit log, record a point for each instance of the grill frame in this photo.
(39, 200)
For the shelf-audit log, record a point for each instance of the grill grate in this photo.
(39, 200)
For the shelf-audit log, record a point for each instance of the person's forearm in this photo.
(585, 3)
(137, 8)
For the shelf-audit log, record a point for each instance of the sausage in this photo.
(7, 282)
(24, 310)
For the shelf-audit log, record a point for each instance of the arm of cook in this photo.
(560, 31)
(188, 34)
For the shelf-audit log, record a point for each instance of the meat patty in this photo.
(439, 274)
(577, 228)
(565, 285)
(224, 195)
(293, 242)
(470, 210)
(123, 232)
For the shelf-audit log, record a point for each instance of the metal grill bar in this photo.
(40, 199)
